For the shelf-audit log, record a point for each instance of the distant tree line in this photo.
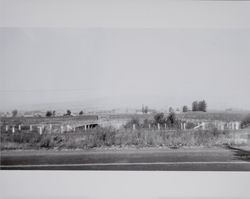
(199, 106)
(53, 113)
(50, 113)
(196, 106)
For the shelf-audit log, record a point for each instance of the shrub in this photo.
(46, 142)
(68, 112)
(172, 121)
(146, 123)
(245, 122)
(159, 118)
(106, 137)
(190, 125)
(49, 114)
(130, 123)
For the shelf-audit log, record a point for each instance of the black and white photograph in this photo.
(149, 96)
(125, 99)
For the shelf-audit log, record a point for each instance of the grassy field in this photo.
(110, 137)
(123, 137)
(46, 120)
(122, 118)
(222, 116)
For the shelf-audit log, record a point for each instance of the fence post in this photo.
(50, 128)
(203, 125)
(133, 126)
(237, 125)
(184, 126)
(61, 129)
(40, 130)
(222, 126)
(232, 125)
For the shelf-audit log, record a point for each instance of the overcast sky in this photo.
(125, 67)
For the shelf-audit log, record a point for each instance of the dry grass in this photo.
(107, 137)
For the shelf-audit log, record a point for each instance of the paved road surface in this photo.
(218, 159)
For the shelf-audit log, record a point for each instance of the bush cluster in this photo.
(107, 137)
(171, 121)
(245, 122)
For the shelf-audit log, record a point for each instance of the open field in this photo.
(114, 119)
(208, 116)
(26, 121)
(221, 116)
(107, 136)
